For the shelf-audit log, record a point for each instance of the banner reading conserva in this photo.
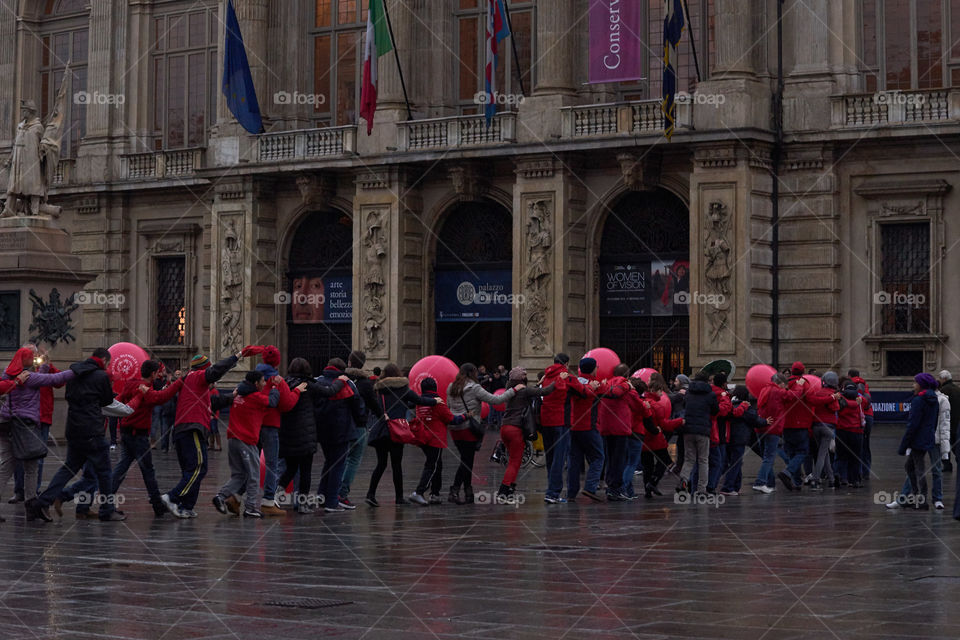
(615, 40)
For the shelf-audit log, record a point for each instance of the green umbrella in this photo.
(717, 366)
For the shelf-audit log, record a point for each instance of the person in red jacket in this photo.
(434, 420)
(250, 404)
(771, 407)
(135, 430)
(585, 440)
(655, 457)
(641, 421)
(615, 424)
(850, 424)
(864, 389)
(190, 429)
(555, 420)
(797, 422)
(823, 403)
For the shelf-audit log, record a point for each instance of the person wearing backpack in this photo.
(511, 429)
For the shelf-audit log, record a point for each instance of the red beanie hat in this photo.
(271, 356)
(22, 359)
(797, 369)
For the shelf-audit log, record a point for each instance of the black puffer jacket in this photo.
(86, 394)
(364, 380)
(339, 415)
(743, 428)
(701, 406)
(298, 427)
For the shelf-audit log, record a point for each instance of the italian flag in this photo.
(377, 43)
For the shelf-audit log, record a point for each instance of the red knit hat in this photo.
(271, 356)
(22, 359)
(797, 368)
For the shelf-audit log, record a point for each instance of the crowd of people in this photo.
(600, 433)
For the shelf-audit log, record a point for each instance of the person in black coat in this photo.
(86, 395)
(700, 407)
(395, 397)
(363, 380)
(743, 422)
(298, 429)
(337, 419)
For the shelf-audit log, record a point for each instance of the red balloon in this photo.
(484, 411)
(125, 361)
(758, 377)
(644, 374)
(503, 405)
(441, 369)
(607, 361)
(813, 382)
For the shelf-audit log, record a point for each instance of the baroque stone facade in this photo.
(561, 165)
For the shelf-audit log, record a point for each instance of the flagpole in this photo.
(403, 85)
(693, 41)
(513, 45)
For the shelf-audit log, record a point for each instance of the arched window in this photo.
(184, 74)
(470, 72)
(65, 38)
(910, 44)
(339, 27)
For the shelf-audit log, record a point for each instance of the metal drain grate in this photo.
(307, 603)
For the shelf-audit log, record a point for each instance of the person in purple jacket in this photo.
(23, 406)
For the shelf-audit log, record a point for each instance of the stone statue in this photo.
(717, 251)
(36, 154)
(539, 242)
(375, 250)
(374, 282)
(231, 284)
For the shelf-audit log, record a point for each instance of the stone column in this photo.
(430, 81)
(735, 36)
(138, 106)
(809, 62)
(388, 266)
(8, 75)
(290, 60)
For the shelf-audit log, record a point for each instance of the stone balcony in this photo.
(305, 144)
(620, 118)
(895, 109)
(456, 132)
(158, 165)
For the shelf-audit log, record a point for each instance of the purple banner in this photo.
(615, 40)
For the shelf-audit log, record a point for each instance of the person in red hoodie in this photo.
(585, 440)
(797, 422)
(434, 420)
(555, 414)
(771, 406)
(655, 457)
(250, 404)
(615, 424)
(190, 427)
(641, 414)
(135, 430)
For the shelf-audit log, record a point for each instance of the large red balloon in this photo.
(503, 405)
(813, 382)
(125, 361)
(607, 361)
(441, 369)
(758, 377)
(644, 374)
(484, 410)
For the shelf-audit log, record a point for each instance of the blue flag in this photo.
(237, 82)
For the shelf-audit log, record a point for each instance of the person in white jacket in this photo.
(942, 438)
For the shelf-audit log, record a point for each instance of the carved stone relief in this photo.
(374, 282)
(231, 287)
(538, 242)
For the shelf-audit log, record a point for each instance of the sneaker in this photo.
(190, 513)
(15, 499)
(787, 481)
(808, 479)
(171, 506)
(347, 506)
(893, 505)
(435, 499)
(637, 473)
(115, 516)
(418, 499)
(233, 505)
(762, 488)
(220, 504)
(593, 496)
(304, 509)
(113, 447)
(372, 501)
(552, 500)
(729, 493)
(938, 505)
(252, 513)
(336, 509)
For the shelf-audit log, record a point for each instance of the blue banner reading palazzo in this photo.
(471, 296)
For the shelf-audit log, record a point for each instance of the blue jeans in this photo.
(85, 487)
(354, 456)
(769, 444)
(587, 444)
(634, 453)
(733, 467)
(270, 444)
(334, 460)
(136, 448)
(936, 471)
(796, 444)
(556, 445)
(80, 451)
(18, 465)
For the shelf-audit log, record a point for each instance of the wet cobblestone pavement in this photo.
(785, 566)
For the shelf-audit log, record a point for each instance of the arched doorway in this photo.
(473, 279)
(320, 288)
(644, 273)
